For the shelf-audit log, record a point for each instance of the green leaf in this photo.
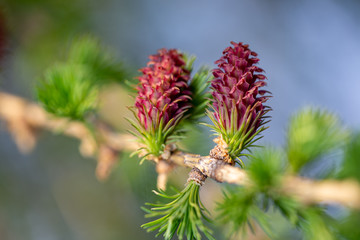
(67, 91)
(312, 133)
(181, 216)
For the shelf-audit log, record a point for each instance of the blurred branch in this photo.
(24, 118)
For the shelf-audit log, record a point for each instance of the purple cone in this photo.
(163, 90)
(237, 87)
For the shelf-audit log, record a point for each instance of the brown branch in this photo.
(15, 109)
(24, 118)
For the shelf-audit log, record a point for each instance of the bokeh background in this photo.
(310, 51)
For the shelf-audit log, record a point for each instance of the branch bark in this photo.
(24, 118)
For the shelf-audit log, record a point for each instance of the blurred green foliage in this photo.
(200, 99)
(67, 91)
(240, 209)
(311, 134)
(41, 28)
(351, 164)
(70, 89)
(314, 222)
(266, 168)
(348, 227)
(199, 87)
(99, 60)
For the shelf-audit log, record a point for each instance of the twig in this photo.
(24, 118)
(163, 169)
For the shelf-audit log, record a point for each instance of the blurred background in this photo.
(310, 51)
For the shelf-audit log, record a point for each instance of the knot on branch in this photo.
(206, 165)
(168, 151)
(197, 176)
(220, 151)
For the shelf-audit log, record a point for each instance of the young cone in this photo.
(163, 98)
(238, 110)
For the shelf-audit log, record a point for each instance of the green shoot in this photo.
(66, 91)
(181, 216)
(311, 134)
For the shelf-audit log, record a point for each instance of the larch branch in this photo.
(24, 118)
